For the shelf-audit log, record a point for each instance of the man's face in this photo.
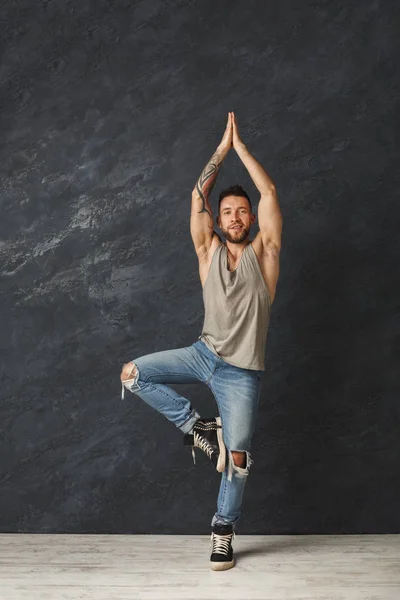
(235, 218)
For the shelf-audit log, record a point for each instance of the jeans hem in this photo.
(188, 424)
(216, 520)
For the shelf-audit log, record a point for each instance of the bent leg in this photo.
(147, 375)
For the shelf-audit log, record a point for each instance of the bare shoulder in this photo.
(206, 257)
(268, 259)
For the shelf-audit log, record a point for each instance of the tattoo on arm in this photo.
(207, 179)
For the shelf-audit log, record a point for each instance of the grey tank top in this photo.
(237, 307)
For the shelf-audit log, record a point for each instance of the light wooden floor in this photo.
(155, 567)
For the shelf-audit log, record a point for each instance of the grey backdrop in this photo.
(109, 112)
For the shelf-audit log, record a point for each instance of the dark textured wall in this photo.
(109, 112)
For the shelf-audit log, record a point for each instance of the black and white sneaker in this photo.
(207, 435)
(221, 547)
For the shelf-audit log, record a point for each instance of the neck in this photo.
(235, 250)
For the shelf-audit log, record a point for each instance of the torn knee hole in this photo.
(240, 462)
(235, 468)
(239, 458)
(129, 372)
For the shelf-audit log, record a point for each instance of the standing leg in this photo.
(237, 394)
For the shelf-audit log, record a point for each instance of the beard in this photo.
(236, 236)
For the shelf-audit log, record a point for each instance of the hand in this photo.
(236, 141)
(226, 142)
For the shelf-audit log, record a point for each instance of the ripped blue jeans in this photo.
(236, 391)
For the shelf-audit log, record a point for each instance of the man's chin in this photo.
(238, 238)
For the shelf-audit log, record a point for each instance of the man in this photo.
(239, 280)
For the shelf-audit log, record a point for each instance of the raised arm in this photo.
(269, 213)
(201, 218)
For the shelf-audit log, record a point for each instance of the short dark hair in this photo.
(233, 190)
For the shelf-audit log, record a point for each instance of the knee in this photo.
(239, 463)
(129, 371)
(239, 458)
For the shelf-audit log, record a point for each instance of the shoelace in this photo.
(220, 543)
(202, 443)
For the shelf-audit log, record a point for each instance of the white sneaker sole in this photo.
(222, 453)
(222, 566)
